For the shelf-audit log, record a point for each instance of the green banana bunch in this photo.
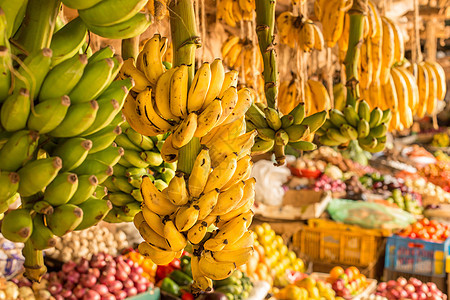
(275, 131)
(356, 123)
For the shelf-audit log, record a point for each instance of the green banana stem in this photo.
(185, 41)
(34, 262)
(265, 23)
(184, 35)
(357, 12)
(38, 24)
(130, 48)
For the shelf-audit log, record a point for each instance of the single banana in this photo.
(154, 199)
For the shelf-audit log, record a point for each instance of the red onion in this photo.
(402, 281)
(88, 280)
(137, 270)
(422, 296)
(68, 266)
(108, 296)
(121, 274)
(95, 272)
(72, 297)
(128, 283)
(79, 291)
(108, 257)
(118, 259)
(73, 276)
(58, 297)
(107, 279)
(382, 286)
(55, 288)
(409, 288)
(109, 270)
(403, 294)
(91, 295)
(66, 293)
(98, 264)
(101, 289)
(141, 287)
(414, 296)
(432, 286)
(53, 277)
(120, 295)
(132, 291)
(112, 263)
(129, 262)
(115, 286)
(134, 277)
(391, 283)
(68, 285)
(124, 266)
(83, 266)
(424, 288)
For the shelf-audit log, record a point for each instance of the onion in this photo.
(132, 291)
(109, 270)
(128, 283)
(72, 297)
(134, 277)
(414, 296)
(88, 280)
(68, 266)
(137, 270)
(410, 288)
(83, 266)
(124, 266)
(403, 294)
(141, 287)
(432, 286)
(58, 297)
(118, 259)
(391, 283)
(107, 279)
(55, 288)
(101, 289)
(108, 296)
(98, 264)
(422, 295)
(424, 288)
(79, 291)
(91, 295)
(66, 293)
(382, 286)
(73, 276)
(68, 285)
(395, 293)
(129, 262)
(53, 277)
(402, 281)
(108, 257)
(121, 274)
(115, 286)
(95, 272)
(120, 295)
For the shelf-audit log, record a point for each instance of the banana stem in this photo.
(130, 48)
(357, 13)
(187, 155)
(265, 23)
(184, 34)
(34, 262)
(38, 24)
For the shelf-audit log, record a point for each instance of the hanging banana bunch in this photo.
(158, 9)
(299, 32)
(235, 11)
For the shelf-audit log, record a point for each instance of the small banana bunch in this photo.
(235, 11)
(112, 19)
(141, 157)
(239, 54)
(163, 102)
(331, 14)
(316, 97)
(275, 130)
(158, 9)
(368, 127)
(219, 192)
(299, 32)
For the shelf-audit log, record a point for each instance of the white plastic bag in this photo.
(269, 181)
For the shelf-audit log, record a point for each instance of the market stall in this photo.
(224, 149)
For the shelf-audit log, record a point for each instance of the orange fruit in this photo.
(336, 272)
(355, 271)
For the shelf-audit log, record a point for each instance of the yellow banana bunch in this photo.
(392, 49)
(220, 192)
(235, 11)
(299, 31)
(331, 14)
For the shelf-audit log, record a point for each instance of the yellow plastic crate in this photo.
(339, 243)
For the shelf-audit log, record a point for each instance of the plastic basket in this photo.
(416, 256)
(340, 243)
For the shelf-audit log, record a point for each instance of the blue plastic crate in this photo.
(151, 294)
(416, 256)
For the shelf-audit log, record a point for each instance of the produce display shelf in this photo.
(441, 282)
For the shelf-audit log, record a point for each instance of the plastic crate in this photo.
(151, 294)
(441, 282)
(339, 243)
(416, 256)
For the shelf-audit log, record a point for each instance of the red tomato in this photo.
(187, 296)
(413, 235)
(431, 230)
(163, 271)
(425, 221)
(175, 263)
(434, 223)
(417, 226)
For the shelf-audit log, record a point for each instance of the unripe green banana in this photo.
(249, 126)
(315, 121)
(172, 165)
(336, 135)
(108, 183)
(63, 78)
(348, 131)
(18, 149)
(107, 110)
(160, 184)
(4, 205)
(17, 225)
(117, 89)
(325, 140)
(134, 158)
(94, 210)
(14, 12)
(42, 237)
(15, 111)
(102, 14)
(256, 116)
(43, 207)
(79, 117)
(363, 128)
(110, 156)
(375, 117)
(351, 115)
(122, 184)
(337, 118)
(86, 187)
(5, 73)
(47, 115)
(368, 142)
(266, 134)
(9, 183)
(379, 131)
(364, 110)
(47, 169)
(136, 181)
(125, 163)
(136, 194)
(113, 216)
(106, 52)
(124, 142)
(297, 132)
(131, 209)
(387, 116)
(303, 146)
(124, 30)
(94, 167)
(287, 121)
(298, 113)
(104, 138)
(119, 170)
(31, 75)
(152, 158)
(167, 175)
(73, 152)
(64, 219)
(68, 41)
(96, 78)
(327, 124)
(273, 118)
(138, 172)
(281, 137)
(120, 199)
(61, 189)
(100, 192)
(261, 146)
(142, 141)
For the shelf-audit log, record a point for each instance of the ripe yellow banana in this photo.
(199, 88)
(199, 174)
(155, 200)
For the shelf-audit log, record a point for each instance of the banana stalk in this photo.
(265, 23)
(357, 13)
(130, 48)
(185, 41)
(38, 25)
(34, 262)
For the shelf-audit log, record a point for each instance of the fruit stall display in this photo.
(411, 288)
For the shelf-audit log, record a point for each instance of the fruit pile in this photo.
(405, 201)
(218, 189)
(306, 288)
(428, 190)
(427, 230)
(22, 289)
(102, 277)
(347, 283)
(235, 287)
(325, 183)
(412, 288)
(299, 32)
(141, 157)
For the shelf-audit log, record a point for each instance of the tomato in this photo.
(431, 230)
(425, 235)
(336, 272)
(413, 235)
(175, 263)
(425, 221)
(417, 226)
(187, 296)
(434, 223)
(163, 271)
